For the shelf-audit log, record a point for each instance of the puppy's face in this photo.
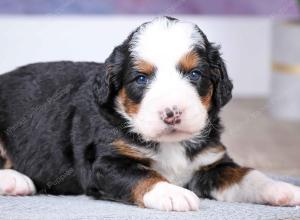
(166, 81)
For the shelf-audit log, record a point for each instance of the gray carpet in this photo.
(82, 207)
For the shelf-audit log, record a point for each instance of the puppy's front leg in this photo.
(230, 182)
(122, 173)
(129, 181)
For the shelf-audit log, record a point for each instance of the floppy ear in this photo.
(223, 85)
(107, 84)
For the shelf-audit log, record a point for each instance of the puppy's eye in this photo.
(194, 75)
(142, 80)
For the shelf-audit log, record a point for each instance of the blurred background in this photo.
(260, 44)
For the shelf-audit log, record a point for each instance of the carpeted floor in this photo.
(82, 207)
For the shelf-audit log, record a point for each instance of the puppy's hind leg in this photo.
(232, 183)
(13, 182)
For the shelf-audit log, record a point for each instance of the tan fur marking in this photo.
(189, 61)
(232, 175)
(124, 149)
(130, 107)
(144, 186)
(144, 67)
(206, 100)
(8, 163)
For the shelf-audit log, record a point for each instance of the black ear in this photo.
(223, 85)
(107, 84)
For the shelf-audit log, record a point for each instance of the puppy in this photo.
(142, 128)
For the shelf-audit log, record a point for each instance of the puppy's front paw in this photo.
(281, 194)
(168, 197)
(13, 183)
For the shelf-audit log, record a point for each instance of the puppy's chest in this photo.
(172, 163)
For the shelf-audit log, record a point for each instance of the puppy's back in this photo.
(28, 87)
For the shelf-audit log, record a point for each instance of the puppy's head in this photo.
(166, 78)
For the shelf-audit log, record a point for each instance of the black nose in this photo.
(171, 116)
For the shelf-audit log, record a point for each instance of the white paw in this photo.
(13, 183)
(281, 194)
(169, 197)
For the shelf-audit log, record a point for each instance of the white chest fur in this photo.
(172, 163)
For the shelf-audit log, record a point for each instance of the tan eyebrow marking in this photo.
(188, 61)
(144, 67)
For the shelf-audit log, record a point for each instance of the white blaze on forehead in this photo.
(164, 42)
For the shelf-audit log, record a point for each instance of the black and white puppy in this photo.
(142, 128)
